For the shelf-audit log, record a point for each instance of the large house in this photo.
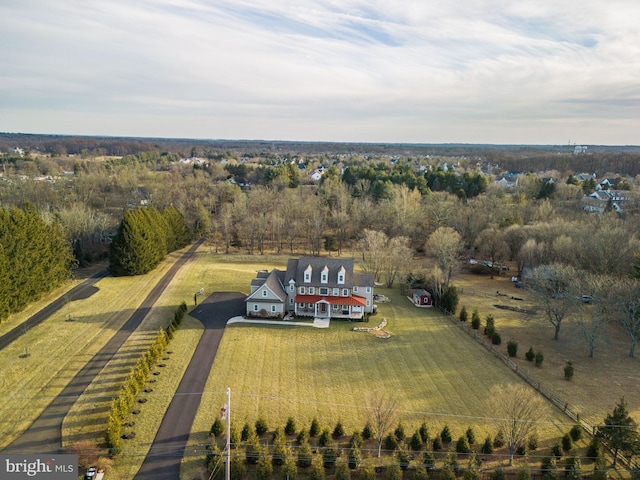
(312, 287)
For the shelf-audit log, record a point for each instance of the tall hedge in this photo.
(35, 257)
(144, 238)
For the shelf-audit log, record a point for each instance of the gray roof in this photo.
(273, 282)
(297, 267)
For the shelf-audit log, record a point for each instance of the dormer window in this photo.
(307, 274)
(341, 273)
(324, 276)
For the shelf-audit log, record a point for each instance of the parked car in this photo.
(587, 299)
(91, 473)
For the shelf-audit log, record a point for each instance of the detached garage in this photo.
(422, 298)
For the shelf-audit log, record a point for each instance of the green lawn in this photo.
(436, 371)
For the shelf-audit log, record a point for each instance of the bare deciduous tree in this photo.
(626, 296)
(555, 287)
(515, 409)
(491, 246)
(445, 245)
(382, 413)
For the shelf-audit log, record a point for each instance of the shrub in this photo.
(463, 314)
(490, 327)
(539, 359)
(471, 436)
(449, 300)
(368, 472)
(487, 446)
(304, 456)
(314, 429)
(338, 431)
(475, 320)
(420, 473)
(549, 468)
(325, 438)
(367, 431)
(390, 443)
(428, 460)
(264, 469)
(512, 348)
(521, 450)
(356, 440)
(567, 443)
(261, 426)
(416, 442)
(342, 472)
(532, 442)
(279, 452)
(499, 440)
(403, 457)
(329, 456)
(447, 474)
(568, 370)
(594, 450)
(445, 434)
(600, 471)
(217, 428)
(497, 474)
(523, 474)
(556, 451)
(530, 355)
(399, 432)
(496, 339)
(290, 427)
(317, 468)
(354, 458)
(576, 433)
(246, 432)
(252, 451)
(302, 437)
(572, 469)
(462, 445)
(393, 472)
(437, 444)
(424, 432)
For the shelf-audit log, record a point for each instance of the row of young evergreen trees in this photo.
(122, 404)
(35, 257)
(144, 238)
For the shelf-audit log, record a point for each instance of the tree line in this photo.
(144, 238)
(35, 257)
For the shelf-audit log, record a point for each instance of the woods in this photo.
(35, 257)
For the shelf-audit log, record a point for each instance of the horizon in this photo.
(407, 72)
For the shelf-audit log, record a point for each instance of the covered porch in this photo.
(317, 306)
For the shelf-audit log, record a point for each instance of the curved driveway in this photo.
(164, 457)
(45, 433)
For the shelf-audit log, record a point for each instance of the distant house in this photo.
(509, 180)
(316, 176)
(312, 287)
(422, 298)
(578, 149)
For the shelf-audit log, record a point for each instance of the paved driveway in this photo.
(164, 457)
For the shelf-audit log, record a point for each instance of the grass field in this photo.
(436, 371)
(598, 382)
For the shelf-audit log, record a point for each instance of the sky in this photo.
(406, 71)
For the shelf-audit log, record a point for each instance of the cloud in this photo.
(346, 70)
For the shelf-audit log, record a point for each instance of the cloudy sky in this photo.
(425, 71)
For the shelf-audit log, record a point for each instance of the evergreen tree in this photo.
(620, 431)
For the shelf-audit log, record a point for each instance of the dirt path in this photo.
(165, 455)
(45, 433)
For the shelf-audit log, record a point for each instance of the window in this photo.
(367, 303)
(312, 290)
(301, 305)
(368, 289)
(301, 290)
(291, 301)
(335, 307)
(264, 293)
(310, 305)
(291, 288)
(336, 292)
(341, 273)
(273, 309)
(323, 291)
(307, 274)
(324, 276)
(345, 292)
(255, 307)
(355, 289)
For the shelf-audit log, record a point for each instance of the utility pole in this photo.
(227, 470)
